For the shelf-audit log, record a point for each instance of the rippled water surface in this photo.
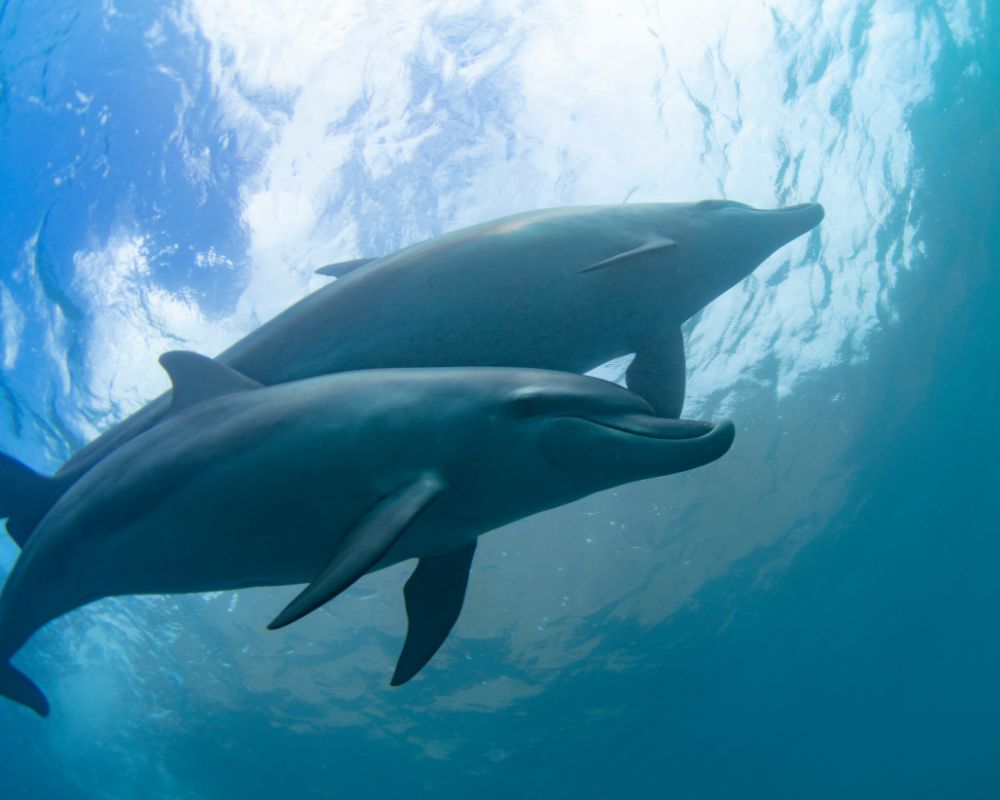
(812, 616)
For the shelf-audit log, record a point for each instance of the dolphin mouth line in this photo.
(649, 426)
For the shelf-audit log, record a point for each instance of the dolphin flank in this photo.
(563, 289)
(319, 481)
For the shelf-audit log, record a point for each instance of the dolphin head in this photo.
(714, 244)
(553, 437)
(602, 435)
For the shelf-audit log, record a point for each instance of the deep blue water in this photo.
(813, 616)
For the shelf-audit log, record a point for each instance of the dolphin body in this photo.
(563, 289)
(322, 480)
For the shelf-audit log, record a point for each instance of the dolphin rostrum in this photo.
(564, 289)
(322, 480)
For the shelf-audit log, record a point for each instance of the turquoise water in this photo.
(812, 616)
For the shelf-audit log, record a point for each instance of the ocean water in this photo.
(812, 616)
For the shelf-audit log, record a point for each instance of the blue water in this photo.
(812, 616)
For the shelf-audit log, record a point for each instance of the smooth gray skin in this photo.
(517, 292)
(269, 486)
(566, 288)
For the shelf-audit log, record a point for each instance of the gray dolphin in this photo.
(564, 289)
(322, 480)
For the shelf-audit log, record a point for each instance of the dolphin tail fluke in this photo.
(25, 497)
(17, 686)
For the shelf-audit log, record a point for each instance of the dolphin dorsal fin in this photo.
(636, 254)
(342, 268)
(197, 378)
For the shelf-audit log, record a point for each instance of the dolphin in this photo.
(323, 480)
(562, 289)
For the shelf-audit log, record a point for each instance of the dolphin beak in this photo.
(667, 446)
(654, 427)
(628, 447)
(686, 439)
(792, 221)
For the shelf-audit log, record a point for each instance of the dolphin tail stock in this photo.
(25, 497)
(16, 686)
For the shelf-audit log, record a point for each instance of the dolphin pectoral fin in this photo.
(197, 378)
(16, 686)
(434, 596)
(635, 256)
(365, 544)
(342, 268)
(658, 373)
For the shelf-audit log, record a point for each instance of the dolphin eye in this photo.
(526, 403)
(534, 401)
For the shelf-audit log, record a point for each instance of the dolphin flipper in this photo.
(342, 268)
(363, 546)
(654, 250)
(434, 596)
(658, 372)
(18, 687)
